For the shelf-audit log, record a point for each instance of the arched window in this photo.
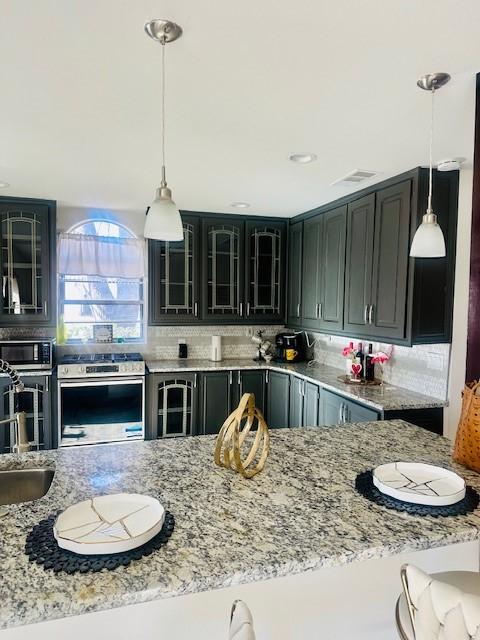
(101, 285)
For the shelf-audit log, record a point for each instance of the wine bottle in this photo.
(369, 365)
(360, 359)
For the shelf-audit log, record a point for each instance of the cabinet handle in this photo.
(316, 311)
(241, 309)
(195, 381)
(300, 388)
(266, 377)
(231, 377)
(47, 383)
(320, 310)
(370, 314)
(365, 313)
(239, 380)
(344, 414)
(298, 310)
(195, 309)
(45, 307)
(340, 413)
(303, 388)
(248, 308)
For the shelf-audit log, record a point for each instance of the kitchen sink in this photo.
(24, 485)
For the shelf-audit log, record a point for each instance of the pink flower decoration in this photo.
(347, 351)
(381, 357)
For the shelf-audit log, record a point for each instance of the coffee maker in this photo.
(290, 346)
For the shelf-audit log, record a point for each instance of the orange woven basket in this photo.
(467, 442)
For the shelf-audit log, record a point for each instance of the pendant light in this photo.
(428, 241)
(163, 220)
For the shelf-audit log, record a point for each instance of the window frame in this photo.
(141, 303)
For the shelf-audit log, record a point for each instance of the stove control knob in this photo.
(82, 369)
(64, 370)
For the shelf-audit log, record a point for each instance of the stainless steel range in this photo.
(101, 398)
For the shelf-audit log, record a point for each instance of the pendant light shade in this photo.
(428, 241)
(163, 220)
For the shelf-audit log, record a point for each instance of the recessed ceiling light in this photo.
(3, 185)
(302, 158)
(240, 205)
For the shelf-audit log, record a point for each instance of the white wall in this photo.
(460, 312)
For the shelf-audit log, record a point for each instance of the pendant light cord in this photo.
(164, 182)
(430, 175)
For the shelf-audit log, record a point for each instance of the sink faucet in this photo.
(22, 444)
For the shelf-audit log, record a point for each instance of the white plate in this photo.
(109, 524)
(419, 483)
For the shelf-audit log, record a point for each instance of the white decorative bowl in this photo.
(419, 483)
(109, 524)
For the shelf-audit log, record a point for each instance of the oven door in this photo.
(95, 411)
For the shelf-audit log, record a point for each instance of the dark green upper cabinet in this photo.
(332, 279)
(265, 270)
(223, 269)
(174, 277)
(377, 263)
(312, 274)
(387, 311)
(294, 285)
(383, 293)
(358, 268)
(27, 230)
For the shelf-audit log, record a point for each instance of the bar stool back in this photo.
(444, 606)
(241, 622)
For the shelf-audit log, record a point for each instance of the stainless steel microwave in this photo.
(28, 354)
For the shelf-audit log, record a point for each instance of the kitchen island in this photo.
(310, 556)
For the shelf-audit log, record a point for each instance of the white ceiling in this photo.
(248, 83)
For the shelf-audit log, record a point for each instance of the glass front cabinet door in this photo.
(173, 405)
(223, 269)
(36, 402)
(27, 241)
(174, 283)
(265, 264)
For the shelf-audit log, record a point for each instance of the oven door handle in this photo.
(101, 382)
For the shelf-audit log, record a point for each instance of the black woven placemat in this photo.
(364, 485)
(42, 548)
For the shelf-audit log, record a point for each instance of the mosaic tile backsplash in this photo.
(422, 368)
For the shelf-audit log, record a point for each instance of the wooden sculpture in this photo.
(228, 450)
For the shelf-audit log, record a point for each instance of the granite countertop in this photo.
(382, 398)
(300, 514)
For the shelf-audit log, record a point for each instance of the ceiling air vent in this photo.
(359, 175)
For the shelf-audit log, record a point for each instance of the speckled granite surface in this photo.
(381, 398)
(301, 513)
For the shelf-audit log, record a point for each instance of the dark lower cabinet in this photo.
(311, 404)
(215, 400)
(248, 381)
(335, 409)
(296, 402)
(37, 402)
(278, 399)
(172, 405)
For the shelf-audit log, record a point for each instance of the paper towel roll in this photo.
(216, 354)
